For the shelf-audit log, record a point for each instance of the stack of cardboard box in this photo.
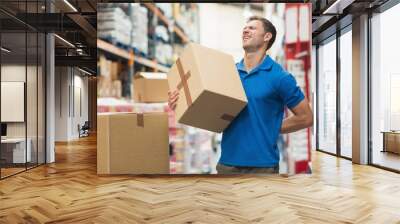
(211, 95)
(163, 53)
(185, 15)
(138, 18)
(108, 83)
(150, 87)
(137, 142)
(114, 24)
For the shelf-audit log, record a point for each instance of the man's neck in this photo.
(253, 59)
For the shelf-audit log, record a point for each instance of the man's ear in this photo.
(267, 36)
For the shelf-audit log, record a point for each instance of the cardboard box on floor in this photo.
(150, 87)
(210, 91)
(130, 143)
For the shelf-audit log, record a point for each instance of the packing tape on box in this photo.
(227, 117)
(140, 120)
(183, 84)
(140, 97)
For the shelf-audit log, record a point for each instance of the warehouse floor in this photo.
(69, 191)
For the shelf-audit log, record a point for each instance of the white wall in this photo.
(34, 125)
(276, 18)
(71, 93)
(12, 73)
(221, 27)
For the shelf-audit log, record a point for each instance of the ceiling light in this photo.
(70, 5)
(86, 72)
(5, 50)
(337, 7)
(65, 41)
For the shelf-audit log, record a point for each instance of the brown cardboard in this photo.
(108, 88)
(150, 87)
(116, 89)
(210, 91)
(104, 66)
(104, 86)
(130, 143)
(114, 70)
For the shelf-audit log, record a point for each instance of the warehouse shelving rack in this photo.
(129, 54)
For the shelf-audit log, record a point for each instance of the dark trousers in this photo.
(225, 169)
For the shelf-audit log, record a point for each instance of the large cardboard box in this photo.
(130, 143)
(150, 87)
(210, 90)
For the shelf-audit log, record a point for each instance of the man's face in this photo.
(254, 36)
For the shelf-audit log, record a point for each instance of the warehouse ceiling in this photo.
(73, 21)
(330, 15)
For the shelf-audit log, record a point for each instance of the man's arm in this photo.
(302, 118)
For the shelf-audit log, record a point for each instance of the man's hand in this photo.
(302, 118)
(173, 99)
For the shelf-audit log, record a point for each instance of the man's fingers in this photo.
(175, 99)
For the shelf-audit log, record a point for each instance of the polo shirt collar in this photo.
(265, 65)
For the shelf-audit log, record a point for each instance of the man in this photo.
(249, 143)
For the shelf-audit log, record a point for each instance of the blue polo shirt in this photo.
(251, 138)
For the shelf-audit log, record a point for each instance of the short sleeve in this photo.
(288, 90)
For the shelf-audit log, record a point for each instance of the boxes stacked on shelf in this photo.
(198, 152)
(103, 87)
(162, 33)
(138, 17)
(113, 24)
(177, 142)
(115, 70)
(163, 53)
(150, 87)
(108, 88)
(186, 16)
(108, 84)
(104, 67)
(166, 8)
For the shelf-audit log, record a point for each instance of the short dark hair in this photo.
(268, 27)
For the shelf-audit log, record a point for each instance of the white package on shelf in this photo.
(120, 37)
(166, 8)
(114, 23)
(198, 155)
(114, 13)
(138, 17)
(162, 32)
